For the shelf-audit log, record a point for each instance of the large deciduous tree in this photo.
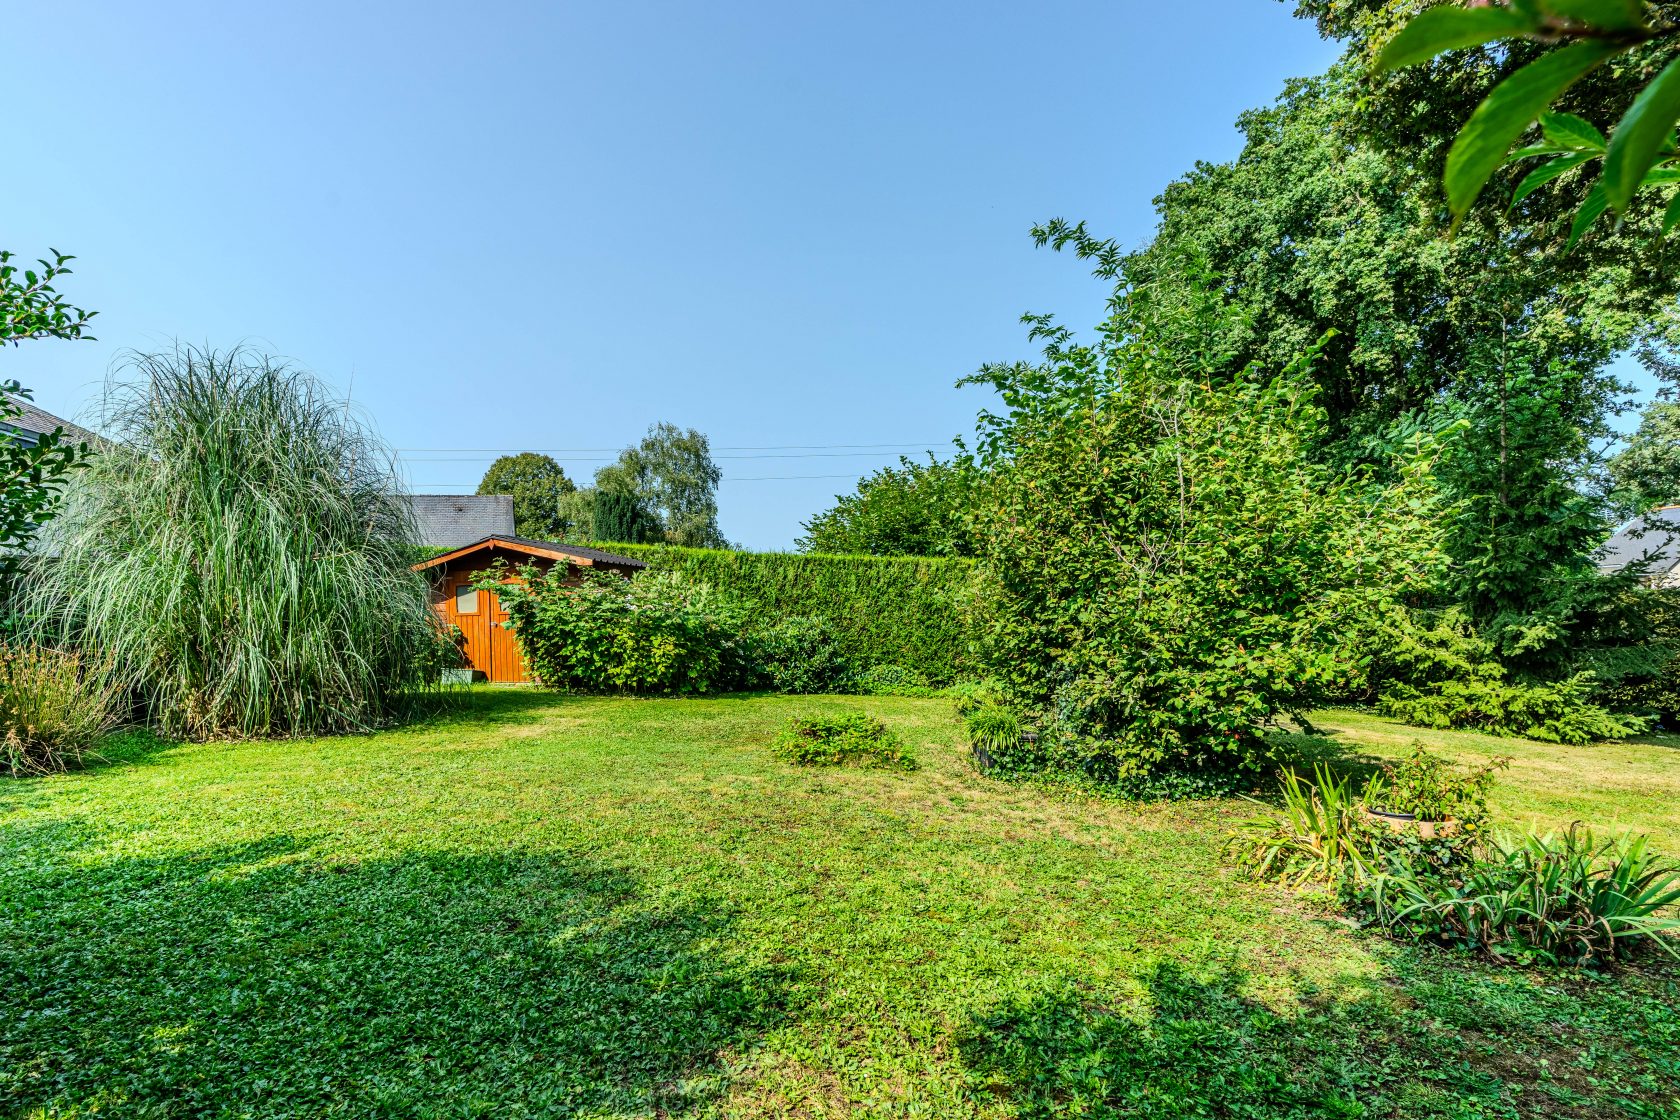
(913, 509)
(1171, 563)
(672, 472)
(539, 488)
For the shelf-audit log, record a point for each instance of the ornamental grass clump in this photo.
(238, 551)
(849, 739)
(55, 707)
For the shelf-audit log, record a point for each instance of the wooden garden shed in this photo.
(489, 646)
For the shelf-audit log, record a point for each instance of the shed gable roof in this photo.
(552, 550)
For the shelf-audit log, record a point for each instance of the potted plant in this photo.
(1426, 791)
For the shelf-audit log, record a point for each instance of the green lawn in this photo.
(563, 907)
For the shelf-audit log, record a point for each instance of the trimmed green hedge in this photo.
(887, 610)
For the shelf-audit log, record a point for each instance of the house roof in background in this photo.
(453, 520)
(553, 550)
(38, 421)
(1656, 533)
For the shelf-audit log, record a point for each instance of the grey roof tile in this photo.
(453, 520)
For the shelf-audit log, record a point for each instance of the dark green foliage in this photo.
(1561, 711)
(1169, 566)
(905, 612)
(886, 680)
(239, 554)
(1645, 679)
(1521, 532)
(1560, 900)
(658, 633)
(802, 655)
(539, 487)
(848, 739)
(914, 509)
(618, 515)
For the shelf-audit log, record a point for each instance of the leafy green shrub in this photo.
(904, 611)
(1553, 899)
(1555, 712)
(1321, 834)
(802, 656)
(658, 633)
(835, 740)
(886, 680)
(240, 554)
(1430, 788)
(1171, 561)
(54, 708)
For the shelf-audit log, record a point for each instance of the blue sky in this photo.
(549, 225)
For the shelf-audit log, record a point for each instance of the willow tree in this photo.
(238, 552)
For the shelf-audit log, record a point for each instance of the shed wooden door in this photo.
(468, 610)
(505, 662)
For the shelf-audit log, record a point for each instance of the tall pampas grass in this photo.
(238, 551)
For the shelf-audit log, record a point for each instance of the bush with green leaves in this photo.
(1170, 563)
(239, 552)
(846, 739)
(1431, 788)
(802, 656)
(1552, 711)
(909, 612)
(656, 634)
(1553, 899)
(913, 509)
(55, 706)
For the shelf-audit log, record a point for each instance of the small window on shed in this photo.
(466, 599)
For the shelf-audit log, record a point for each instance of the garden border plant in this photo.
(1569, 900)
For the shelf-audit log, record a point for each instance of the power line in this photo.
(616, 450)
(459, 486)
(593, 459)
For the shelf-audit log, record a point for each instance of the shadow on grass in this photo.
(1457, 1043)
(257, 980)
(1301, 751)
(1186, 1047)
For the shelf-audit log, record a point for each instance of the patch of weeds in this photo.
(847, 739)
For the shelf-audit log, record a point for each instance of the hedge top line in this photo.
(850, 557)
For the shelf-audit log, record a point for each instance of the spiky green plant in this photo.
(239, 553)
(1319, 835)
(1561, 899)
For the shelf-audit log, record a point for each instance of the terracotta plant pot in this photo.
(1427, 830)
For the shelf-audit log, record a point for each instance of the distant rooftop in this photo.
(453, 520)
(36, 422)
(1655, 534)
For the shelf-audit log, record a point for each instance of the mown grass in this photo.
(544, 906)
